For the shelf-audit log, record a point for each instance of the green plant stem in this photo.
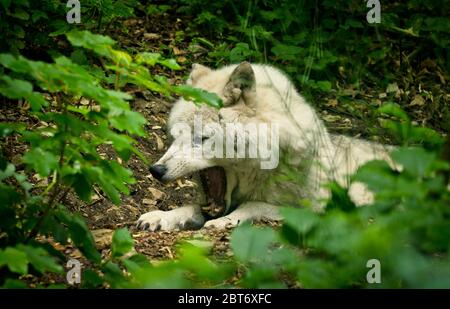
(55, 183)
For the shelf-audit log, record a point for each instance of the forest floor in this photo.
(148, 194)
(103, 217)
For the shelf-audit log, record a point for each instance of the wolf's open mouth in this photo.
(214, 185)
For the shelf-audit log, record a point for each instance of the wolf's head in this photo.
(197, 129)
(209, 140)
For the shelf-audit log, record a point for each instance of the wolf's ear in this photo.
(197, 71)
(241, 85)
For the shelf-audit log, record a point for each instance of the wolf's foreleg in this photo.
(246, 212)
(183, 218)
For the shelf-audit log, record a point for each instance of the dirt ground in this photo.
(148, 194)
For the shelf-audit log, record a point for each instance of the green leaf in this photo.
(193, 258)
(339, 198)
(79, 233)
(7, 128)
(20, 13)
(426, 136)
(17, 89)
(130, 121)
(286, 52)
(97, 175)
(122, 242)
(414, 160)
(14, 88)
(91, 279)
(324, 85)
(6, 3)
(37, 101)
(393, 109)
(38, 15)
(113, 274)
(40, 259)
(154, 58)
(19, 32)
(300, 219)
(78, 56)
(8, 196)
(136, 263)
(199, 95)
(170, 63)
(251, 244)
(148, 58)
(100, 44)
(14, 284)
(82, 187)
(16, 64)
(377, 174)
(15, 259)
(41, 161)
(8, 171)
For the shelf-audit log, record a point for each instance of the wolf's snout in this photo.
(158, 170)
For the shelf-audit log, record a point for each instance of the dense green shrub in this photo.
(76, 115)
(321, 42)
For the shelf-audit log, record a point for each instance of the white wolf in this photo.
(310, 157)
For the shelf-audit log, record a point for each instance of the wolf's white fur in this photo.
(306, 147)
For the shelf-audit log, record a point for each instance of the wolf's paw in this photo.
(221, 223)
(157, 220)
(177, 219)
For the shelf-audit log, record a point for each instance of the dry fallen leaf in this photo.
(393, 88)
(159, 141)
(148, 201)
(84, 101)
(441, 77)
(331, 118)
(417, 101)
(151, 36)
(332, 103)
(181, 59)
(132, 209)
(102, 237)
(157, 194)
(187, 183)
(177, 51)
